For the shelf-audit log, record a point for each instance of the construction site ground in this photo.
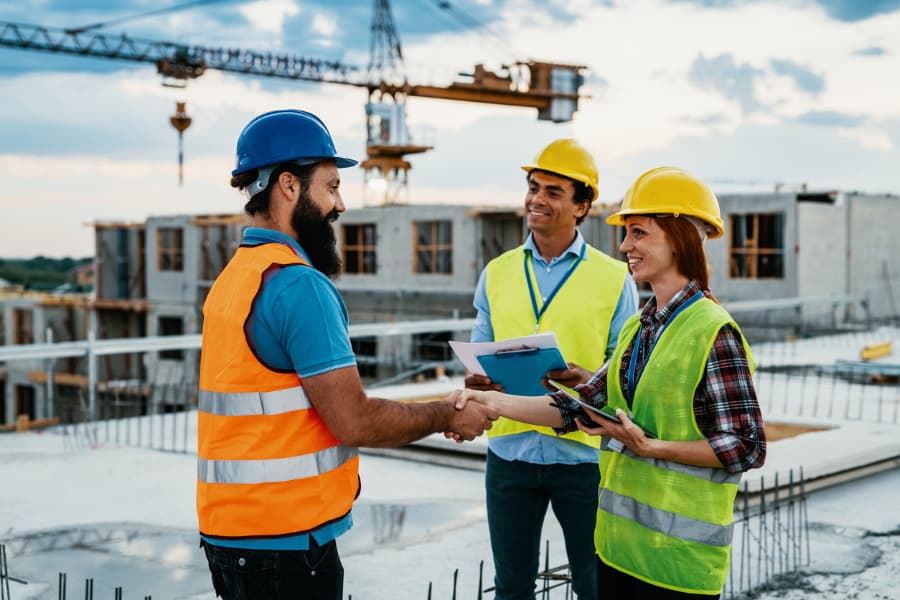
(103, 511)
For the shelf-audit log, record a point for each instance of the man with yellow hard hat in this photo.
(554, 282)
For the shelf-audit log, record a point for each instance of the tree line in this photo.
(42, 273)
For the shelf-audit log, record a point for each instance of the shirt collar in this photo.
(255, 236)
(574, 248)
(651, 316)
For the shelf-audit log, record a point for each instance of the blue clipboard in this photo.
(520, 370)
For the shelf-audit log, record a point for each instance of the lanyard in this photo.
(538, 314)
(630, 381)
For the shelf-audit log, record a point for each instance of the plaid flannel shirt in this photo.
(725, 404)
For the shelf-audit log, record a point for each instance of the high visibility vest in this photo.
(665, 522)
(579, 314)
(267, 464)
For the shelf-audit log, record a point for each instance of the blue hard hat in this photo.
(283, 136)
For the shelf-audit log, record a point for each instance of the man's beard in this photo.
(316, 236)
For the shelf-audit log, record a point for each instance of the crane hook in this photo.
(180, 121)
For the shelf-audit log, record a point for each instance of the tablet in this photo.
(606, 412)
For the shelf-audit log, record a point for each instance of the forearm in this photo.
(536, 410)
(697, 453)
(387, 423)
(726, 408)
(356, 419)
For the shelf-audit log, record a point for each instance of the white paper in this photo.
(467, 352)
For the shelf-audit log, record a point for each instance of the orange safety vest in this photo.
(267, 464)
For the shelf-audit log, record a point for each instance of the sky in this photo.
(745, 94)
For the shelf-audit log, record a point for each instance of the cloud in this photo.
(804, 78)
(722, 74)
(674, 82)
(324, 24)
(269, 15)
(870, 51)
(708, 119)
(754, 89)
(858, 10)
(790, 153)
(842, 10)
(830, 119)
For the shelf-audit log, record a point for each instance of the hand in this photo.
(628, 433)
(470, 421)
(460, 398)
(569, 377)
(481, 382)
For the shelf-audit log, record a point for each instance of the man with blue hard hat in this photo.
(282, 409)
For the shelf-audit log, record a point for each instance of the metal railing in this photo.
(91, 349)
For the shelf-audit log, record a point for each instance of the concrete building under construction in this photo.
(788, 259)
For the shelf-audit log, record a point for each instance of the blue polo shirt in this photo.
(531, 446)
(299, 321)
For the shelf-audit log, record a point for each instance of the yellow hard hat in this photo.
(570, 159)
(671, 191)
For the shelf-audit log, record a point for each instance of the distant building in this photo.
(83, 275)
(7, 287)
(423, 262)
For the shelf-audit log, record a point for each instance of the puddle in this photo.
(168, 563)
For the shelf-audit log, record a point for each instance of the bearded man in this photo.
(282, 409)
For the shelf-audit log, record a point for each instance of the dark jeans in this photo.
(517, 497)
(622, 586)
(314, 574)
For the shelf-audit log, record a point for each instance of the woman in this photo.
(680, 383)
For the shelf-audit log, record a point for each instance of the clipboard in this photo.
(520, 369)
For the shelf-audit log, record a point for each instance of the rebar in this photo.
(4, 575)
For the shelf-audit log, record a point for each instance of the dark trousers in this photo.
(623, 586)
(517, 497)
(314, 574)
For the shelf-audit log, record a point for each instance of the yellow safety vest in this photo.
(267, 464)
(664, 522)
(580, 315)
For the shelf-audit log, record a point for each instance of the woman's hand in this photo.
(627, 432)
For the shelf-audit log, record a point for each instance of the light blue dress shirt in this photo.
(531, 446)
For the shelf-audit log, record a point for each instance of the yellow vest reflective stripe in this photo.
(663, 522)
(580, 315)
(714, 475)
(266, 463)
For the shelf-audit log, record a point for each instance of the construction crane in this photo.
(551, 88)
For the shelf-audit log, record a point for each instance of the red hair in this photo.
(690, 258)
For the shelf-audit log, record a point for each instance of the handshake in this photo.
(473, 414)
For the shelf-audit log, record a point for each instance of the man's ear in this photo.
(585, 209)
(287, 182)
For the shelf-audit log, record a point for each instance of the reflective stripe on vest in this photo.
(266, 463)
(667, 523)
(713, 475)
(227, 404)
(273, 470)
(579, 315)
